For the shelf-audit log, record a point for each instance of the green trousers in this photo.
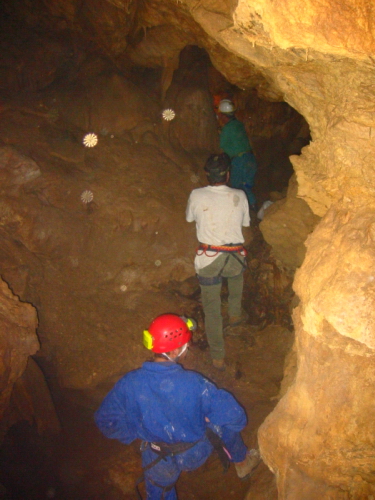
(210, 278)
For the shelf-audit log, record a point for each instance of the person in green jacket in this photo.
(234, 142)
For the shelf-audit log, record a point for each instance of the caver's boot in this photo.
(246, 468)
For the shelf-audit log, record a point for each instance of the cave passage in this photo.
(95, 240)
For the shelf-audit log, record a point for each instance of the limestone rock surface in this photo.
(18, 341)
(31, 401)
(286, 225)
(320, 433)
(59, 248)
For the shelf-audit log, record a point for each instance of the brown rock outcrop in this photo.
(108, 104)
(58, 251)
(18, 341)
(320, 439)
(31, 401)
(15, 170)
(286, 225)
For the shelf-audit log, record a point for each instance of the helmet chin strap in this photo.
(176, 358)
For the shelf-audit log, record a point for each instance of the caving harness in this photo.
(164, 450)
(232, 249)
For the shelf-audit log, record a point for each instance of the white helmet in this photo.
(226, 106)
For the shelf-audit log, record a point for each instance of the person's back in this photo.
(234, 139)
(165, 402)
(219, 213)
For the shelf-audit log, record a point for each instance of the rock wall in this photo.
(18, 341)
(96, 264)
(321, 435)
(285, 227)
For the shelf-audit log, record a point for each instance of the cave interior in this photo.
(94, 241)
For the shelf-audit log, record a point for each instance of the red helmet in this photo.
(167, 332)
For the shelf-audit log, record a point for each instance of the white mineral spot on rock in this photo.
(157, 263)
(87, 196)
(194, 179)
(168, 114)
(90, 140)
(156, 232)
(123, 288)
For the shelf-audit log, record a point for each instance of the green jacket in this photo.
(233, 138)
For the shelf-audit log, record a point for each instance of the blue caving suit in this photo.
(163, 402)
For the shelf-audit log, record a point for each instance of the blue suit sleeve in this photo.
(114, 416)
(222, 409)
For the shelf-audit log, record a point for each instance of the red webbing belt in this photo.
(204, 248)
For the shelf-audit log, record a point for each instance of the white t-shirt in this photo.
(219, 213)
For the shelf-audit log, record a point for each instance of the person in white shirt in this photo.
(219, 212)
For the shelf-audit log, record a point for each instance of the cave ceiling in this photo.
(317, 57)
(252, 43)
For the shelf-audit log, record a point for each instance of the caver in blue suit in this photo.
(164, 403)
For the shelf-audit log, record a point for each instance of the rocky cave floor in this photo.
(81, 464)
